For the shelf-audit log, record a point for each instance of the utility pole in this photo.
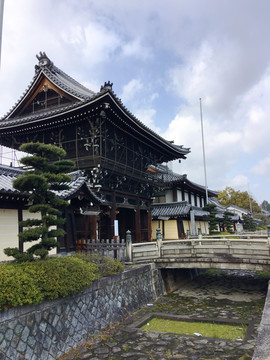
(1, 25)
(250, 203)
(204, 163)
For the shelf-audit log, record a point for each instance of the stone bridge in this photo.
(227, 252)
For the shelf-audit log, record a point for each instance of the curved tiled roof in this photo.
(168, 176)
(171, 209)
(8, 174)
(176, 209)
(58, 78)
(82, 97)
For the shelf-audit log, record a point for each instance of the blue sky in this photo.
(162, 56)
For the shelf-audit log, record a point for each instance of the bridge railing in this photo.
(257, 248)
(237, 236)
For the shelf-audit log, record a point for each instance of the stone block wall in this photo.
(262, 348)
(48, 330)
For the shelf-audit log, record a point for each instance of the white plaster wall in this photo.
(179, 195)
(169, 196)
(8, 231)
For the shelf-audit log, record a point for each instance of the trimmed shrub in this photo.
(18, 286)
(62, 276)
(106, 265)
(33, 282)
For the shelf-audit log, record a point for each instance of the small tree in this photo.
(249, 223)
(227, 221)
(45, 177)
(211, 218)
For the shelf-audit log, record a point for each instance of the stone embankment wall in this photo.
(48, 330)
(262, 349)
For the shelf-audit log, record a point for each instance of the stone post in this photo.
(129, 246)
(159, 241)
(200, 235)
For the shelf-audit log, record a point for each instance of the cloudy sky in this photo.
(162, 56)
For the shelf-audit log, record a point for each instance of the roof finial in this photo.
(107, 86)
(43, 60)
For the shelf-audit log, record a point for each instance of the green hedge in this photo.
(106, 265)
(33, 282)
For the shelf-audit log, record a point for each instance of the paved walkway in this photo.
(208, 297)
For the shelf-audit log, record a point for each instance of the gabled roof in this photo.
(9, 174)
(47, 74)
(171, 178)
(79, 100)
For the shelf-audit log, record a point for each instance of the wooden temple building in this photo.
(178, 206)
(110, 146)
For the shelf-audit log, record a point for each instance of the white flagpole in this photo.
(1, 25)
(204, 163)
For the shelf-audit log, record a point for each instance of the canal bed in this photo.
(226, 297)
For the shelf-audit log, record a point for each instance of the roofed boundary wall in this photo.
(51, 329)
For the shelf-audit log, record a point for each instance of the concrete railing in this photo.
(255, 248)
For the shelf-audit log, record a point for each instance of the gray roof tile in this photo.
(8, 174)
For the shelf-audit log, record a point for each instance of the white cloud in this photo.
(137, 49)
(131, 90)
(262, 167)
(147, 117)
(239, 181)
(96, 42)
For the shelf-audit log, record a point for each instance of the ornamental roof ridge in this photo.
(58, 77)
(67, 82)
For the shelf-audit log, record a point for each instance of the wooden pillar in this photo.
(20, 228)
(138, 221)
(113, 214)
(183, 194)
(92, 231)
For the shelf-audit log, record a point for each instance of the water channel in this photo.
(218, 297)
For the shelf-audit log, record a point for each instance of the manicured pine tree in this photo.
(227, 221)
(46, 176)
(211, 218)
(249, 223)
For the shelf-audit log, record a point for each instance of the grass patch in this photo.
(263, 274)
(211, 272)
(221, 331)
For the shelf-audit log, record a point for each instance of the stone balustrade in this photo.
(205, 252)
